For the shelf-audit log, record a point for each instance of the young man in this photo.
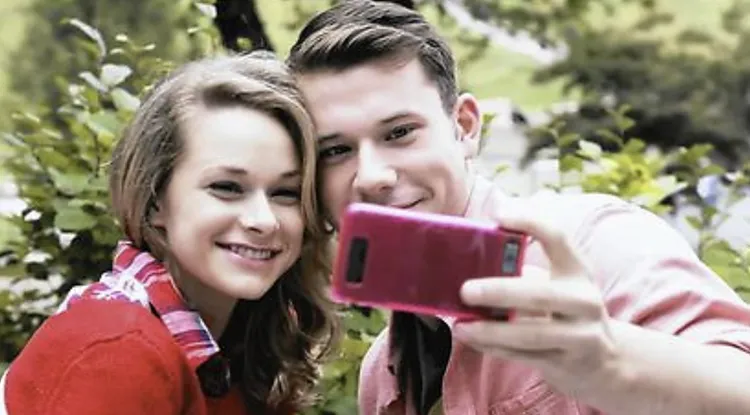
(617, 313)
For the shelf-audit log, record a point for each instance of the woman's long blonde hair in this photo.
(291, 328)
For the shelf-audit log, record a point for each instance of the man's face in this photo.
(384, 138)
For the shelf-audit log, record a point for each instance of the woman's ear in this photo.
(156, 215)
(468, 120)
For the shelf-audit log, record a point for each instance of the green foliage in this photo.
(651, 178)
(58, 164)
(544, 19)
(681, 90)
(66, 234)
(44, 60)
(341, 376)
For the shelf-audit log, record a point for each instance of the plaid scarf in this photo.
(139, 278)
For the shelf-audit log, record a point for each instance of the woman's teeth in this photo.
(252, 253)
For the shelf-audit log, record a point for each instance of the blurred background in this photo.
(645, 99)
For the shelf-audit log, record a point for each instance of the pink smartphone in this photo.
(416, 262)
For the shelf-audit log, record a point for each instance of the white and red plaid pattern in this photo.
(138, 277)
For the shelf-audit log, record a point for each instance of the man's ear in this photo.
(469, 122)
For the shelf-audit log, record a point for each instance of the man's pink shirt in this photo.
(647, 273)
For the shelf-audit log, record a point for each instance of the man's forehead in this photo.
(367, 95)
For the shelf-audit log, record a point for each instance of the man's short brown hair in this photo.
(361, 31)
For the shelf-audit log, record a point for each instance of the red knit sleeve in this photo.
(102, 357)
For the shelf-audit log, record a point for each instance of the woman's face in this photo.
(231, 211)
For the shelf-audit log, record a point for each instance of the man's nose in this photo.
(375, 176)
(258, 215)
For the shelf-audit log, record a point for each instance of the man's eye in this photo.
(400, 131)
(332, 151)
(226, 187)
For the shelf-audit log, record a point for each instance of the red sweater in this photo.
(107, 357)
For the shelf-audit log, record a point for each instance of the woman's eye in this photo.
(288, 195)
(400, 131)
(226, 187)
(332, 151)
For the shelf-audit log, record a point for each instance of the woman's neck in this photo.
(214, 307)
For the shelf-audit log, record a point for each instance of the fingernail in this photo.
(469, 294)
(470, 289)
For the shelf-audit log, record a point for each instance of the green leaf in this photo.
(336, 369)
(124, 100)
(53, 158)
(93, 81)
(720, 254)
(91, 33)
(712, 169)
(106, 235)
(570, 162)
(208, 10)
(37, 139)
(698, 151)
(589, 149)
(26, 120)
(608, 135)
(501, 168)
(13, 140)
(567, 139)
(694, 222)
(9, 232)
(104, 122)
(70, 183)
(634, 146)
(113, 75)
(670, 185)
(624, 124)
(343, 405)
(71, 218)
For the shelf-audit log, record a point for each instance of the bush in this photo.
(657, 181)
(43, 58)
(681, 89)
(67, 232)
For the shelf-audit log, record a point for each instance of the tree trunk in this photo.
(406, 3)
(237, 19)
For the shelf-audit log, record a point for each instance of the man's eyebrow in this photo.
(387, 120)
(395, 117)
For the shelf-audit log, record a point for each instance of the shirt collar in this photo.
(138, 277)
(483, 198)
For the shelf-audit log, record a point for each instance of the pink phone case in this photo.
(416, 262)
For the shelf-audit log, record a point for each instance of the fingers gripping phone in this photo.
(416, 262)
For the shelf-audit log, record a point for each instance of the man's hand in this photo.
(563, 329)
(561, 326)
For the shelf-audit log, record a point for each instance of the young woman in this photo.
(216, 301)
